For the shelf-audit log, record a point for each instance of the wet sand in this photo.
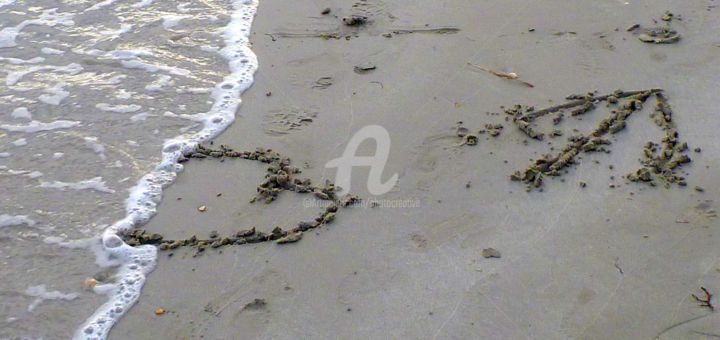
(579, 263)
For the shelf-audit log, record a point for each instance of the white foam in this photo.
(142, 203)
(48, 17)
(96, 184)
(4, 3)
(18, 61)
(170, 21)
(21, 113)
(122, 94)
(182, 9)
(55, 95)
(111, 34)
(16, 172)
(19, 141)
(140, 117)
(208, 48)
(35, 174)
(35, 126)
(10, 220)
(95, 146)
(58, 155)
(41, 294)
(137, 64)
(122, 108)
(100, 5)
(94, 244)
(15, 76)
(49, 50)
(142, 4)
(161, 81)
(128, 54)
(195, 90)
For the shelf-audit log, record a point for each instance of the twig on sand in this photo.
(438, 30)
(510, 75)
(312, 34)
(706, 301)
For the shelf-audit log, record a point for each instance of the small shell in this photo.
(90, 283)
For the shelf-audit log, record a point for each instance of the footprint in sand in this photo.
(287, 120)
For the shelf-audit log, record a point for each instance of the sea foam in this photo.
(137, 262)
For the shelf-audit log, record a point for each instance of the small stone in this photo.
(159, 311)
(699, 189)
(364, 68)
(490, 253)
(202, 208)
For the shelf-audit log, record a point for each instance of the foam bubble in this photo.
(122, 94)
(54, 95)
(21, 113)
(142, 203)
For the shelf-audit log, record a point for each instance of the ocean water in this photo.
(98, 99)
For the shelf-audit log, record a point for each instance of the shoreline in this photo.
(136, 262)
(420, 272)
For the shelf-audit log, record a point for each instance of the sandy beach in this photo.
(609, 260)
(456, 249)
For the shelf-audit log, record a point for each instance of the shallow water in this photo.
(99, 97)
